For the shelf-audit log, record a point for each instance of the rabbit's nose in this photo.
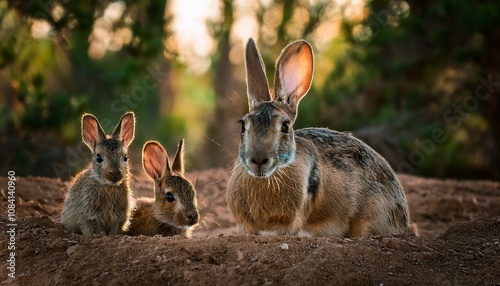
(115, 175)
(192, 217)
(259, 161)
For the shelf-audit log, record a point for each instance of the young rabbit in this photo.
(99, 198)
(174, 209)
(311, 182)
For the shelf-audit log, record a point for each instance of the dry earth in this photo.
(459, 243)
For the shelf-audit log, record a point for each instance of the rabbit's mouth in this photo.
(259, 168)
(259, 173)
(177, 224)
(114, 178)
(113, 181)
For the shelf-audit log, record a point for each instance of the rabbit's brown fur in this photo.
(313, 181)
(99, 198)
(159, 216)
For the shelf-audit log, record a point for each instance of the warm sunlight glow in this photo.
(245, 23)
(193, 43)
(191, 20)
(40, 29)
(105, 36)
(58, 12)
(114, 11)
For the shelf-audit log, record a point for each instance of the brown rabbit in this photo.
(311, 182)
(99, 198)
(174, 209)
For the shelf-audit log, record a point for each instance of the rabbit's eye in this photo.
(170, 197)
(99, 158)
(285, 127)
(125, 158)
(242, 126)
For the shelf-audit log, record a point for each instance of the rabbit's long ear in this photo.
(178, 164)
(125, 129)
(257, 85)
(294, 73)
(154, 160)
(92, 131)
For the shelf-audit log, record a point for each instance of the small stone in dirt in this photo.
(392, 243)
(71, 250)
(241, 256)
(338, 245)
(284, 246)
(268, 282)
(412, 244)
(188, 275)
(58, 245)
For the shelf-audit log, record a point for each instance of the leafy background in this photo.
(416, 80)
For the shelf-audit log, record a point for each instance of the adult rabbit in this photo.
(309, 182)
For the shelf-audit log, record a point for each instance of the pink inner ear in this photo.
(155, 161)
(296, 74)
(127, 129)
(290, 79)
(156, 166)
(90, 131)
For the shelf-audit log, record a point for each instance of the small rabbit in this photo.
(99, 198)
(311, 182)
(174, 208)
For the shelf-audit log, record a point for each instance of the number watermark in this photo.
(11, 223)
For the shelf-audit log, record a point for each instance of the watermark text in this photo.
(11, 224)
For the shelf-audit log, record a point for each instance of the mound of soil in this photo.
(459, 243)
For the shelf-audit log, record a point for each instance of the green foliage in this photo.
(424, 64)
(49, 82)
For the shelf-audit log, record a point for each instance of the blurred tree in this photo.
(222, 125)
(422, 66)
(60, 60)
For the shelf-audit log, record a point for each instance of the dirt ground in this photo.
(459, 243)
